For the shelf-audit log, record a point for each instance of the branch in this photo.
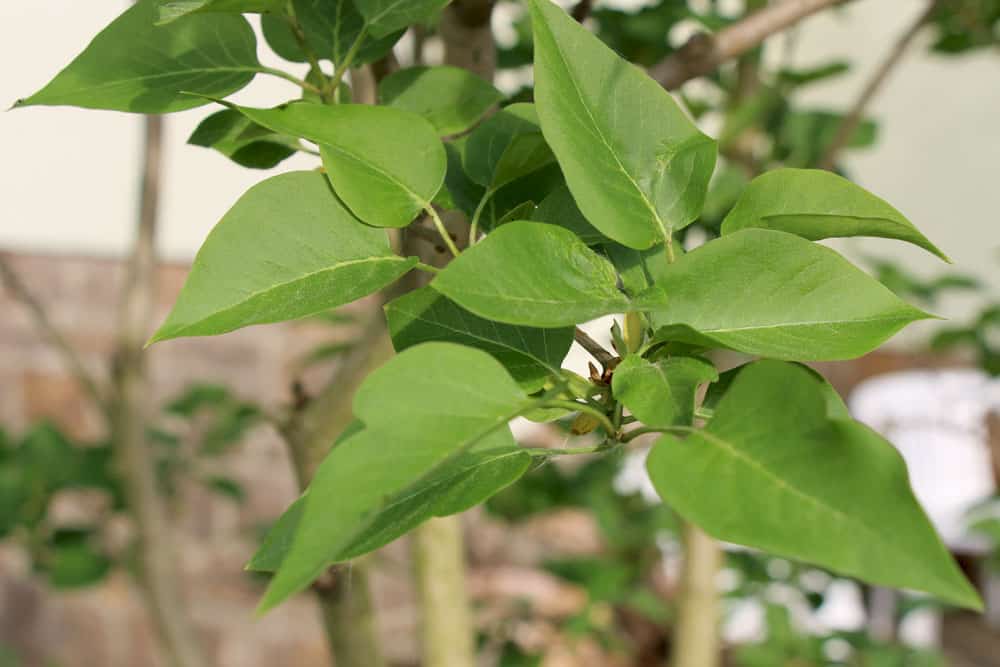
(70, 356)
(156, 555)
(849, 124)
(595, 349)
(704, 53)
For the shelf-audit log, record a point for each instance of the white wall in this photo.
(69, 175)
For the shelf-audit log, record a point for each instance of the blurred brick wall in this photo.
(106, 626)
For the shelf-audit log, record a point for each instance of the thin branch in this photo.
(595, 349)
(70, 356)
(703, 52)
(157, 556)
(849, 124)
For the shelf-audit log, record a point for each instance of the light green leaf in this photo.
(243, 141)
(420, 418)
(817, 204)
(135, 65)
(773, 471)
(386, 164)
(450, 98)
(777, 295)
(288, 248)
(385, 16)
(330, 28)
(636, 165)
(662, 393)
(532, 274)
(530, 355)
(171, 10)
(509, 144)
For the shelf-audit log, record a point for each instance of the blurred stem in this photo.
(849, 125)
(696, 641)
(445, 616)
(158, 573)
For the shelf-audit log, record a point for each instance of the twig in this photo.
(703, 53)
(595, 349)
(70, 355)
(849, 124)
(157, 557)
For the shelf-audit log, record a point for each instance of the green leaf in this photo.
(459, 484)
(385, 16)
(773, 471)
(72, 561)
(288, 248)
(171, 10)
(420, 416)
(817, 204)
(661, 394)
(243, 141)
(508, 145)
(530, 355)
(532, 274)
(134, 65)
(559, 208)
(330, 28)
(450, 98)
(777, 295)
(636, 165)
(385, 164)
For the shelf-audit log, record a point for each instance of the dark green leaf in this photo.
(450, 98)
(559, 208)
(532, 274)
(73, 561)
(134, 65)
(287, 249)
(530, 355)
(775, 472)
(386, 164)
(817, 204)
(777, 295)
(661, 394)
(385, 16)
(243, 141)
(507, 146)
(636, 165)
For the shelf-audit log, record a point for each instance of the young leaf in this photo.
(530, 355)
(135, 65)
(288, 248)
(508, 145)
(777, 295)
(386, 164)
(775, 472)
(818, 204)
(451, 98)
(419, 416)
(661, 394)
(385, 16)
(171, 10)
(243, 141)
(637, 167)
(532, 274)
(330, 29)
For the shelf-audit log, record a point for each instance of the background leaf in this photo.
(243, 141)
(288, 248)
(385, 16)
(450, 98)
(135, 65)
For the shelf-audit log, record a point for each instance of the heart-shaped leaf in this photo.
(773, 471)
